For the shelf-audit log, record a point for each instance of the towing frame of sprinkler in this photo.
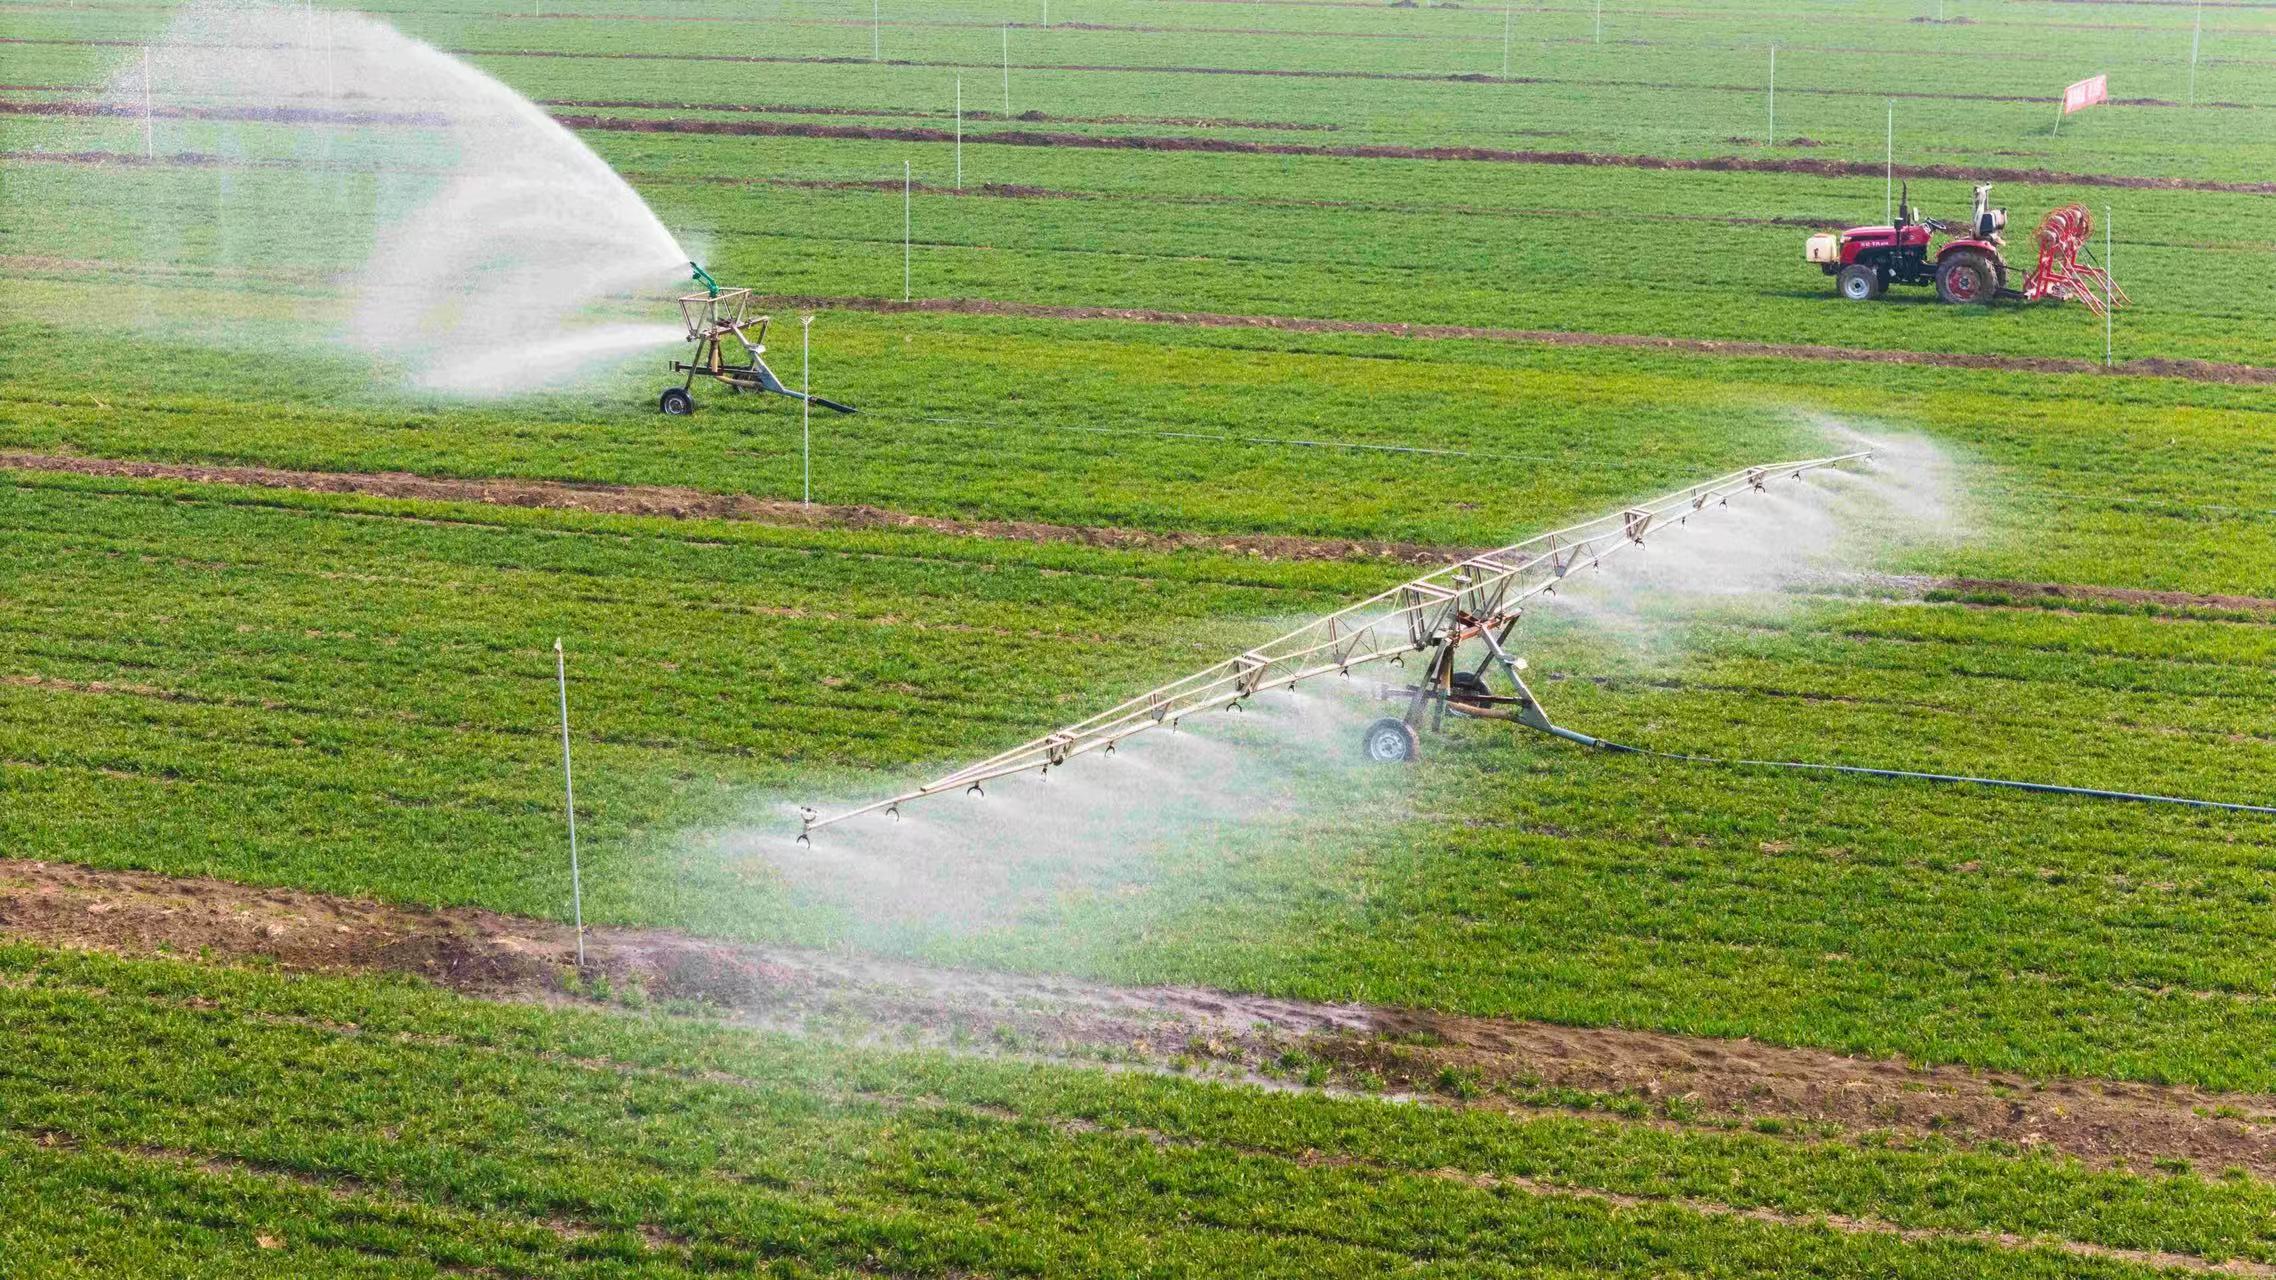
(1480, 599)
(713, 317)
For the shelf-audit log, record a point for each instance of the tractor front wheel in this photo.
(676, 402)
(1858, 282)
(1391, 741)
(1965, 278)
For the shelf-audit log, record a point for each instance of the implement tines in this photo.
(1444, 606)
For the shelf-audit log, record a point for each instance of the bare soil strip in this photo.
(1510, 1062)
(2194, 370)
(695, 504)
(1492, 155)
(1031, 117)
(1174, 143)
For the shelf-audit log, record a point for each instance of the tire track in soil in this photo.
(2101, 1122)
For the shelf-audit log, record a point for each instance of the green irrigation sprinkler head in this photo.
(703, 278)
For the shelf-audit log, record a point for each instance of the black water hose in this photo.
(2043, 788)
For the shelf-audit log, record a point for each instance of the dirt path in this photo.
(695, 504)
(1500, 1062)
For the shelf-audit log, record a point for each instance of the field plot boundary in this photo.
(2101, 1122)
(681, 503)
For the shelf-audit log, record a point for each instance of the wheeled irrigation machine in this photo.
(1969, 266)
(714, 318)
(1426, 626)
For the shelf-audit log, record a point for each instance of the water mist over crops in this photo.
(481, 246)
(1834, 529)
(1271, 801)
(1266, 782)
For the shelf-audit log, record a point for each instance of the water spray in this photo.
(1427, 622)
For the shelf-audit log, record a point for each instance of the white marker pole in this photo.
(148, 153)
(1889, 170)
(2109, 265)
(1047, 12)
(1505, 42)
(960, 133)
(806, 409)
(569, 801)
(1600, 21)
(1772, 139)
(1007, 71)
(904, 231)
(2196, 38)
(876, 33)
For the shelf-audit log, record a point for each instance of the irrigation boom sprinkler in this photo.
(1478, 599)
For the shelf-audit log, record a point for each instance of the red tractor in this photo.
(1865, 261)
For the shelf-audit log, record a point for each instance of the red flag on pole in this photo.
(2086, 93)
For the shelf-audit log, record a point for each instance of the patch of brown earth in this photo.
(2052, 591)
(695, 504)
(1489, 1061)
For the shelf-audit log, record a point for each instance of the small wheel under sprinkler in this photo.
(675, 402)
(1391, 741)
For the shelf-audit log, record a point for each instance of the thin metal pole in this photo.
(1047, 12)
(1007, 71)
(2196, 38)
(960, 133)
(806, 408)
(1505, 42)
(876, 32)
(1772, 139)
(2109, 268)
(904, 231)
(148, 153)
(1600, 21)
(569, 801)
(1889, 170)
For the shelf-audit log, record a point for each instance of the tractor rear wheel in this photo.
(676, 402)
(1965, 278)
(1391, 741)
(1858, 282)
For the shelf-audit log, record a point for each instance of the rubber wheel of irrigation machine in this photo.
(1858, 282)
(1965, 279)
(1391, 741)
(675, 402)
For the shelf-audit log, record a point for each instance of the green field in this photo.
(353, 693)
